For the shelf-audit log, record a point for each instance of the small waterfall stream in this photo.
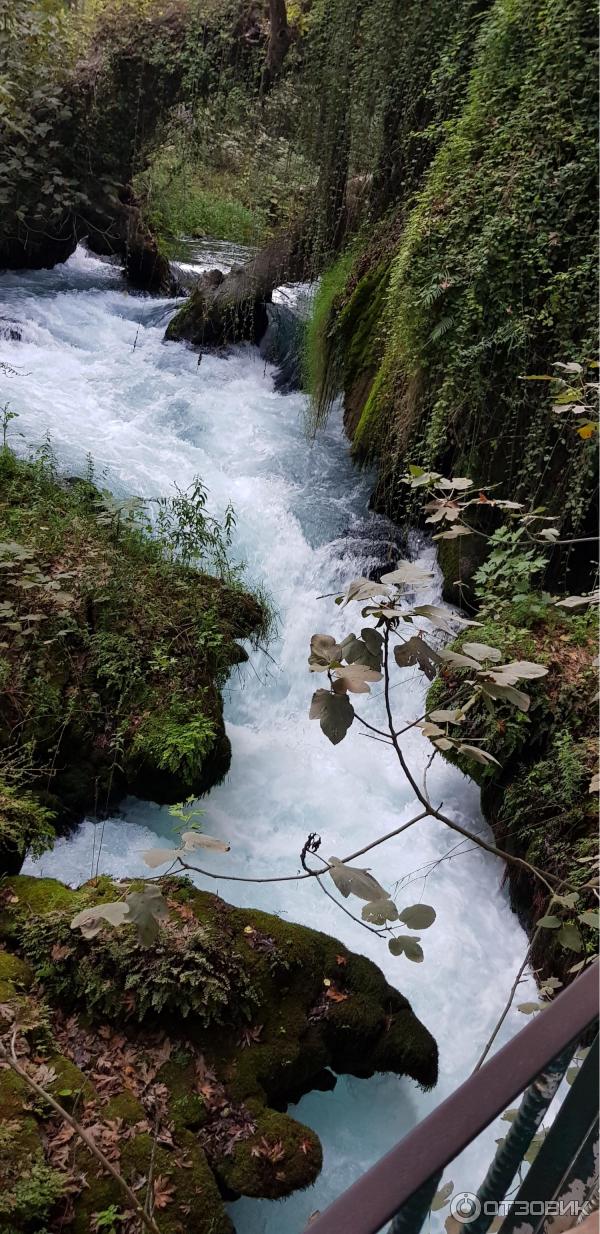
(95, 374)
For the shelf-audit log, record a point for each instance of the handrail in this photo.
(375, 1198)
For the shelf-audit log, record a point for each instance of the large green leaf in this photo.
(351, 880)
(405, 944)
(334, 712)
(379, 911)
(569, 937)
(147, 909)
(418, 916)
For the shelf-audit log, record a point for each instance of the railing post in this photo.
(565, 1169)
(509, 1155)
(412, 1215)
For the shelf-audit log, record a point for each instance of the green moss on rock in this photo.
(230, 1066)
(113, 643)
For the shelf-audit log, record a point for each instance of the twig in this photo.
(296, 878)
(507, 1008)
(443, 818)
(96, 1152)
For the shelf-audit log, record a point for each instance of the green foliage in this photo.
(510, 570)
(115, 643)
(109, 1219)
(492, 272)
(321, 370)
(32, 1192)
(192, 970)
(176, 742)
(177, 202)
(25, 824)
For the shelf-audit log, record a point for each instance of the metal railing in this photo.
(401, 1186)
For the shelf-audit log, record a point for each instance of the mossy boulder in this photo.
(113, 652)
(538, 801)
(246, 1012)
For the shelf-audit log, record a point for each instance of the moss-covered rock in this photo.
(113, 651)
(257, 1013)
(538, 801)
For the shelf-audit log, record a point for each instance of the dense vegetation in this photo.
(116, 641)
(479, 275)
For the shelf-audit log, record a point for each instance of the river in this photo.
(94, 373)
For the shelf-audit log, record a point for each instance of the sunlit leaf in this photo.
(507, 694)
(355, 678)
(154, 857)
(379, 911)
(443, 743)
(579, 601)
(482, 651)
(456, 660)
(519, 670)
(197, 839)
(478, 755)
(91, 920)
(351, 880)
(407, 572)
(364, 589)
(453, 533)
(459, 483)
(446, 716)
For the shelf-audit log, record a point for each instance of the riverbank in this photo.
(114, 651)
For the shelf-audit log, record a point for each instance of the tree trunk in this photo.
(280, 37)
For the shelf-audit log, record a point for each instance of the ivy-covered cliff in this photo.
(480, 273)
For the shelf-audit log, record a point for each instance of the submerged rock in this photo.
(222, 310)
(199, 1041)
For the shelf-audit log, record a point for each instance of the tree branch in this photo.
(96, 1152)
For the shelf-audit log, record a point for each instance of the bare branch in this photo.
(96, 1152)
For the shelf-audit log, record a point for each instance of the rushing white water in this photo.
(95, 374)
